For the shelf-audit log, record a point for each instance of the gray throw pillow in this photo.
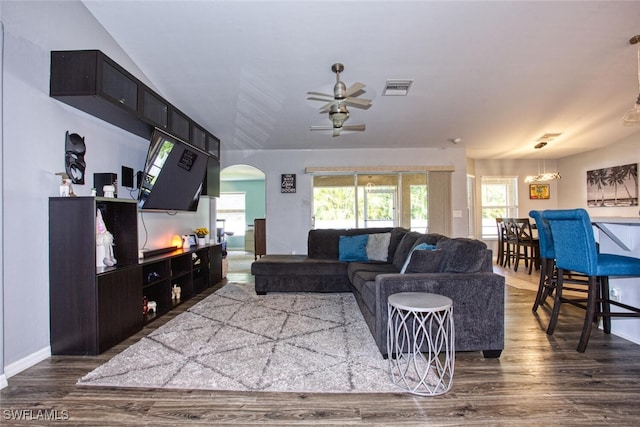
(378, 246)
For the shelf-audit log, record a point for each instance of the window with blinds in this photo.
(499, 200)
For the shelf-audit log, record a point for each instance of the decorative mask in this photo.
(74, 157)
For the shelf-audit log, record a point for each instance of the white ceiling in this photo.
(497, 74)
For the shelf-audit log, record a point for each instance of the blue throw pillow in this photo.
(353, 248)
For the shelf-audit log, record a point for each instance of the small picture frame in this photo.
(539, 191)
(192, 240)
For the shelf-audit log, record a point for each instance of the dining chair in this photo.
(575, 249)
(502, 242)
(527, 246)
(511, 239)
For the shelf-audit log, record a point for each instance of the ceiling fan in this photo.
(336, 104)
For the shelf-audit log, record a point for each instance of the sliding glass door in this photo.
(370, 200)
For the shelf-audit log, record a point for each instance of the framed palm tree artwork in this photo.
(614, 186)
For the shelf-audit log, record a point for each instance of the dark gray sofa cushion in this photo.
(376, 267)
(298, 273)
(396, 236)
(429, 239)
(297, 265)
(424, 261)
(364, 285)
(461, 255)
(404, 248)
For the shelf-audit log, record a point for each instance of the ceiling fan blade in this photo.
(356, 87)
(321, 127)
(315, 98)
(327, 107)
(354, 127)
(326, 95)
(358, 102)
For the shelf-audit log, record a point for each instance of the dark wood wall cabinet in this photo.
(260, 237)
(92, 82)
(93, 308)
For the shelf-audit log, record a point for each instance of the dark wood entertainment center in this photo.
(93, 308)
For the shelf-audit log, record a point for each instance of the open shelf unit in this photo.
(192, 270)
(93, 308)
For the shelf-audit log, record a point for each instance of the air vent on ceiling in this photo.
(396, 87)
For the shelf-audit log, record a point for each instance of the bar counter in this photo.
(621, 236)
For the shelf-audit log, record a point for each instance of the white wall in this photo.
(3, 379)
(34, 127)
(289, 215)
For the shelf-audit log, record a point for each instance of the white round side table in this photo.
(421, 342)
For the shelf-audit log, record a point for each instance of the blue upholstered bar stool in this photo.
(575, 250)
(548, 271)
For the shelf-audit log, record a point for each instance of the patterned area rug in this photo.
(236, 340)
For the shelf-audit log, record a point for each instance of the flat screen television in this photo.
(173, 174)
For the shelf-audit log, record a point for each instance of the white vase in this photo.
(201, 241)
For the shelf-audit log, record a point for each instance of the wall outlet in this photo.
(615, 294)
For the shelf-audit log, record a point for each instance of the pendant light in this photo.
(544, 176)
(632, 118)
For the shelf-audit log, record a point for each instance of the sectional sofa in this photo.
(374, 263)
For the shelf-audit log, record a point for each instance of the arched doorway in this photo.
(242, 200)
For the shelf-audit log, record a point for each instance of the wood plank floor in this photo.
(538, 380)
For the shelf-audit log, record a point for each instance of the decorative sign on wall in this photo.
(615, 186)
(288, 183)
(539, 191)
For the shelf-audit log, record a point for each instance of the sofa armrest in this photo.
(478, 303)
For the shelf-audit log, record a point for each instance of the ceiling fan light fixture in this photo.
(336, 104)
(632, 118)
(338, 114)
(340, 90)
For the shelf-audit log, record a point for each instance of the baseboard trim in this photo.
(27, 362)
(3, 381)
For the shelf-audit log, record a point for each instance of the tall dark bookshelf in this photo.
(92, 308)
